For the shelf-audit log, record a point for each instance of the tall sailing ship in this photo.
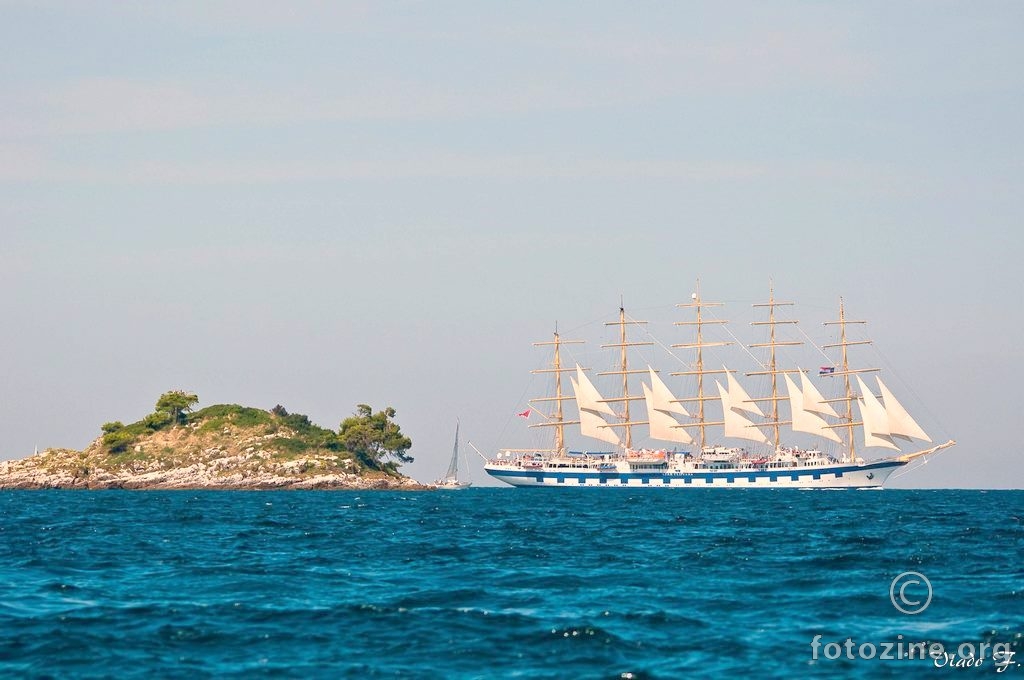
(857, 418)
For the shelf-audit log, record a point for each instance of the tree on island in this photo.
(372, 437)
(175, 404)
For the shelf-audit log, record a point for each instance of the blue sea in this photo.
(509, 583)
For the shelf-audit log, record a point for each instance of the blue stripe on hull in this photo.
(817, 477)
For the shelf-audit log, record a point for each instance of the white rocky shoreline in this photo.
(229, 468)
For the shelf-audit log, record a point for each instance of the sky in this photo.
(321, 204)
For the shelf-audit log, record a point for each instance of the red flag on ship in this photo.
(524, 414)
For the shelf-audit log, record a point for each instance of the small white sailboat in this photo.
(451, 478)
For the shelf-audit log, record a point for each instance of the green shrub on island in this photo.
(118, 441)
(158, 421)
(214, 418)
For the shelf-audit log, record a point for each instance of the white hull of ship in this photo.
(835, 476)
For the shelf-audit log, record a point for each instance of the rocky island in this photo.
(225, 447)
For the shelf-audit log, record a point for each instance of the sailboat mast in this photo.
(624, 370)
(557, 419)
(559, 416)
(698, 305)
(453, 467)
(702, 440)
(845, 363)
(846, 372)
(624, 367)
(772, 367)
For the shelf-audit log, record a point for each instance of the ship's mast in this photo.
(846, 372)
(557, 419)
(625, 372)
(699, 305)
(772, 368)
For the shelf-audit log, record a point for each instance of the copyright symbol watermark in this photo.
(911, 592)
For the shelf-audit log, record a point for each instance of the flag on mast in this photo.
(524, 414)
